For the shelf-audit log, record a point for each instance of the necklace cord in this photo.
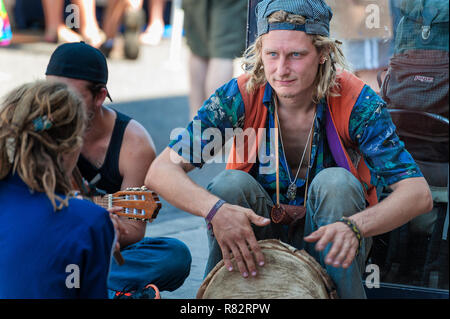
(308, 143)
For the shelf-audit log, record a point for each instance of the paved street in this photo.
(153, 90)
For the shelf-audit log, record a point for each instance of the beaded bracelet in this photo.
(213, 212)
(355, 230)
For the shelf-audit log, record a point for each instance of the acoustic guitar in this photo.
(138, 203)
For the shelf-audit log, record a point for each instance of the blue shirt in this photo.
(43, 251)
(370, 128)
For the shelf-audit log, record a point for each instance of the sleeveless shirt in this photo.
(111, 180)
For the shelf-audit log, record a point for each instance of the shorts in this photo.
(216, 28)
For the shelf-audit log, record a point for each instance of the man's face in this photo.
(290, 62)
(81, 87)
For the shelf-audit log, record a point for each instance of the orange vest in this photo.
(337, 119)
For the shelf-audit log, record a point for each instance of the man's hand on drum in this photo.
(234, 234)
(344, 247)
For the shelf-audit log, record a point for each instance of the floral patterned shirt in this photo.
(370, 127)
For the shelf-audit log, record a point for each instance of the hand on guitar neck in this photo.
(137, 203)
(133, 203)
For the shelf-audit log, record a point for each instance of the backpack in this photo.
(417, 76)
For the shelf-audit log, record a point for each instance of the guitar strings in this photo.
(138, 213)
(122, 199)
(126, 210)
(127, 197)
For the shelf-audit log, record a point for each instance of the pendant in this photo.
(292, 191)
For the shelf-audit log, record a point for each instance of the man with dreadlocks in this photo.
(337, 143)
(119, 150)
(53, 245)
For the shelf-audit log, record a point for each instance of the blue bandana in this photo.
(286, 26)
(316, 12)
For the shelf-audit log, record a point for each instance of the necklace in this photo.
(292, 188)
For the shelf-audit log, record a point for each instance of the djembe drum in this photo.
(288, 273)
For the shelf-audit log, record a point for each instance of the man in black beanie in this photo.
(121, 151)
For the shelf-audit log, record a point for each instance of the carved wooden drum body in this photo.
(288, 273)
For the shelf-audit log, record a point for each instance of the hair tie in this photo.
(42, 123)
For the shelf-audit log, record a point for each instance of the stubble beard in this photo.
(89, 120)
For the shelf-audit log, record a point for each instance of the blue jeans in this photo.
(333, 193)
(164, 262)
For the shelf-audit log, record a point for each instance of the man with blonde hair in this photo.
(334, 145)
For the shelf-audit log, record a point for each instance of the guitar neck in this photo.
(135, 204)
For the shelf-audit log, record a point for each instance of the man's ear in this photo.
(100, 98)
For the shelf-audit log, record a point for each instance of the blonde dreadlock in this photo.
(39, 122)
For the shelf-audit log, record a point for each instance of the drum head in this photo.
(288, 273)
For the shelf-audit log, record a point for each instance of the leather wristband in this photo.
(213, 212)
(354, 229)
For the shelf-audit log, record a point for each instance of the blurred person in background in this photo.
(57, 31)
(154, 31)
(130, 13)
(215, 32)
(5, 27)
